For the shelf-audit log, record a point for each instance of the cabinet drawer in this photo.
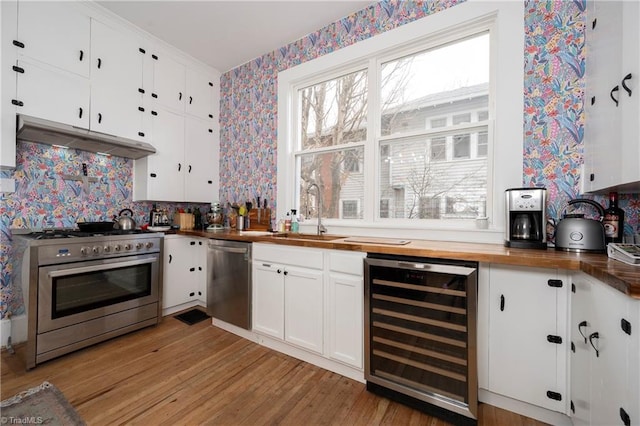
(347, 263)
(302, 257)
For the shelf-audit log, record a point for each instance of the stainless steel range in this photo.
(84, 288)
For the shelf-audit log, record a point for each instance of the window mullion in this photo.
(371, 162)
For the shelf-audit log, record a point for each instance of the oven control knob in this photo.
(85, 250)
(139, 246)
(107, 249)
(149, 245)
(127, 246)
(117, 247)
(96, 250)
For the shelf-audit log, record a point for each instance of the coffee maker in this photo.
(526, 218)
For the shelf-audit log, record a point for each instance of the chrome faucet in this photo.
(321, 227)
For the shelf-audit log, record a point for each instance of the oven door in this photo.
(76, 292)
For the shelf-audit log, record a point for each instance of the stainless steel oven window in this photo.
(96, 281)
(85, 291)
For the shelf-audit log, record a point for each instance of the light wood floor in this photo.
(190, 375)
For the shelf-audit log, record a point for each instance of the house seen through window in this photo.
(428, 140)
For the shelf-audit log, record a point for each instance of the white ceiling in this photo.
(226, 34)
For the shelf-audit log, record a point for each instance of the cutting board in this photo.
(371, 240)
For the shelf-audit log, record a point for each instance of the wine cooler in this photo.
(420, 334)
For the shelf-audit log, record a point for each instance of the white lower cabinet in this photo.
(345, 297)
(287, 294)
(303, 290)
(605, 372)
(527, 335)
(307, 298)
(184, 273)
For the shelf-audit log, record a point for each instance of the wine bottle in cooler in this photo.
(613, 220)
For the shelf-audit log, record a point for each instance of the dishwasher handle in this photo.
(228, 249)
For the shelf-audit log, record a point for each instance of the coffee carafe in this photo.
(526, 218)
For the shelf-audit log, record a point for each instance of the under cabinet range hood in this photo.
(32, 129)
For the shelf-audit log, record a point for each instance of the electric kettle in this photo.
(576, 233)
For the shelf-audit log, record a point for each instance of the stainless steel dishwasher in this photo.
(229, 282)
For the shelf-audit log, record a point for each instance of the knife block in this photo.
(260, 219)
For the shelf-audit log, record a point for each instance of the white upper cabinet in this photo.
(52, 47)
(201, 153)
(58, 36)
(168, 82)
(116, 80)
(612, 128)
(185, 165)
(183, 88)
(45, 91)
(199, 99)
(159, 176)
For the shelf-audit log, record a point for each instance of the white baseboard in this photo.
(16, 327)
(301, 354)
(541, 414)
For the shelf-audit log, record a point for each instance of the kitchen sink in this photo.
(312, 237)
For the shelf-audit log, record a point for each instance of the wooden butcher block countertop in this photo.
(623, 277)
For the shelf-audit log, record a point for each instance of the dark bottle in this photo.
(613, 220)
(153, 211)
(197, 218)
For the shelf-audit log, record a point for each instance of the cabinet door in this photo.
(610, 365)
(268, 299)
(603, 123)
(201, 162)
(630, 101)
(303, 307)
(116, 78)
(581, 327)
(199, 100)
(55, 95)
(523, 313)
(8, 58)
(165, 173)
(346, 293)
(176, 266)
(169, 82)
(55, 33)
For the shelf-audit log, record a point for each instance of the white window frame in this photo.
(504, 19)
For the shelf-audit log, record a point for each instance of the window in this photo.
(351, 163)
(438, 149)
(384, 207)
(483, 140)
(382, 127)
(350, 209)
(438, 122)
(461, 146)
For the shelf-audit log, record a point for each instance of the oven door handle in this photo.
(102, 267)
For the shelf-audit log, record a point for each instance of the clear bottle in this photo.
(287, 223)
(613, 220)
(281, 227)
(294, 221)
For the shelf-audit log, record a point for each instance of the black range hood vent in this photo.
(38, 130)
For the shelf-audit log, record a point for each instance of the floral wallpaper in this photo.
(554, 71)
(553, 126)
